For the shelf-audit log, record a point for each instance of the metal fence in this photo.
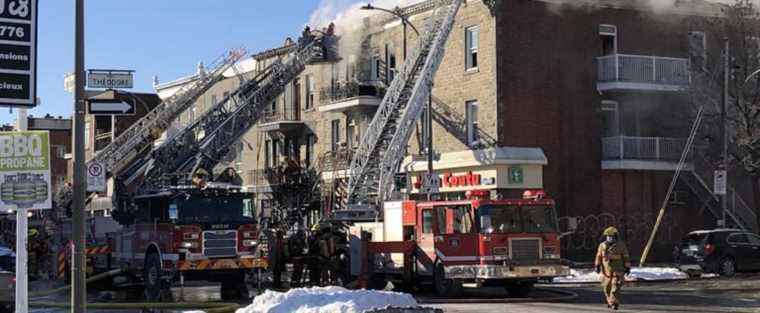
(347, 90)
(643, 69)
(281, 115)
(336, 160)
(642, 148)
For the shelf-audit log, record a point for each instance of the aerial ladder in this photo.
(139, 137)
(206, 141)
(383, 146)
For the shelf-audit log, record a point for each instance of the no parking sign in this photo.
(96, 177)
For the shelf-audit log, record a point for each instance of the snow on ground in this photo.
(327, 300)
(637, 273)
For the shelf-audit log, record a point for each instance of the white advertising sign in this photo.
(25, 170)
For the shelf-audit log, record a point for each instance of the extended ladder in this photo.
(383, 145)
(203, 143)
(141, 135)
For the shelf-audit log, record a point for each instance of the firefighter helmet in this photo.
(610, 231)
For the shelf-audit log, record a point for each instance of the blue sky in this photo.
(154, 37)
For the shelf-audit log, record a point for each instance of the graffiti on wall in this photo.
(635, 228)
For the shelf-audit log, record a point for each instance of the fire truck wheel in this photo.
(445, 287)
(152, 277)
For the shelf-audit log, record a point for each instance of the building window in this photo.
(390, 61)
(608, 34)
(471, 47)
(697, 48)
(610, 119)
(310, 140)
(268, 154)
(213, 100)
(60, 151)
(276, 152)
(471, 108)
(309, 92)
(335, 143)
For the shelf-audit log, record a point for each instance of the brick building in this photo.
(585, 99)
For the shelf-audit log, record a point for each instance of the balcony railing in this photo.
(287, 115)
(264, 177)
(348, 90)
(643, 69)
(642, 148)
(336, 160)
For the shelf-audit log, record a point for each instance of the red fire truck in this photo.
(192, 233)
(511, 243)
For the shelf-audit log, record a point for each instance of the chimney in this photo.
(155, 80)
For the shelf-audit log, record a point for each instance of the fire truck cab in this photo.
(511, 242)
(208, 234)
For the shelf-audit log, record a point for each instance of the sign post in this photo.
(24, 186)
(18, 53)
(719, 183)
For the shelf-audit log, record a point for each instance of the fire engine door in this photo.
(456, 236)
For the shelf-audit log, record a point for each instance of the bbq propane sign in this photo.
(25, 170)
(18, 52)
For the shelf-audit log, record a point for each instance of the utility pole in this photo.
(79, 288)
(724, 120)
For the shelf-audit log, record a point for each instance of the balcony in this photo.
(283, 121)
(642, 153)
(351, 95)
(333, 162)
(620, 72)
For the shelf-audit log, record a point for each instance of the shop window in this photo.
(472, 35)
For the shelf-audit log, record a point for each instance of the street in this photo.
(741, 294)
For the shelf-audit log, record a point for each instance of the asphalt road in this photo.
(740, 294)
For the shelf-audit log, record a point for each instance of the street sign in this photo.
(25, 170)
(96, 177)
(719, 183)
(110, 79)
(111, 107)
(18, 53)
(430, 183)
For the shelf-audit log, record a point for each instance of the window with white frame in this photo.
(608, 35)
(471, 47)
(309, 92)
(335, 142)
(471, 108)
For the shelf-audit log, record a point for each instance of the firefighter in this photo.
(613, 262)
(296, 246)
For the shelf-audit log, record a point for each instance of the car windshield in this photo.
(514, 219)
(214, 210)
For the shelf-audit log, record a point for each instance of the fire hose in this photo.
(211, 307)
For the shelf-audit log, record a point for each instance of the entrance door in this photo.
(456, 236)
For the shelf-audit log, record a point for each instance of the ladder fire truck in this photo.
(177, 223)
(511, 243)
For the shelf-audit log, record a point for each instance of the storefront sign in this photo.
(18, 52)
(449, 180)
(25, 170)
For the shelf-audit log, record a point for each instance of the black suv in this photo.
(721, 251)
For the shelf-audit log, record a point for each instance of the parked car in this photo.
(721, 251)
(7, 293)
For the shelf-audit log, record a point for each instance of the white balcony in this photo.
(642, 153)
(349, 96)
(619, 72)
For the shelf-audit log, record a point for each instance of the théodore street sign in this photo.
(18, 53)
(25, 170)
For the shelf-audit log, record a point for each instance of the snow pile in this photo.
(637, 273)
(327, 300)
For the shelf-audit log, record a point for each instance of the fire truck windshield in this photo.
(213, 210)
(500, 219)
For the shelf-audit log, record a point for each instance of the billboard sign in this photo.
(25, 170)
(18, 53)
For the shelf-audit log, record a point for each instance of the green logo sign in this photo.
(516, 175)
(25, 170)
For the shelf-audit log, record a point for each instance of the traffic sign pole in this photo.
(22, 275)
(79, 287)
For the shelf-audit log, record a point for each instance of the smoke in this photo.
(352, 24)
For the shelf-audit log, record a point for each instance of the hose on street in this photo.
(208, 307)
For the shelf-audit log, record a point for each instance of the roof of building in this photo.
(48, 123)
(684, 7)
(288, 46)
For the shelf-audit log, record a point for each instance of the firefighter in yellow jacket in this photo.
(613, 263)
